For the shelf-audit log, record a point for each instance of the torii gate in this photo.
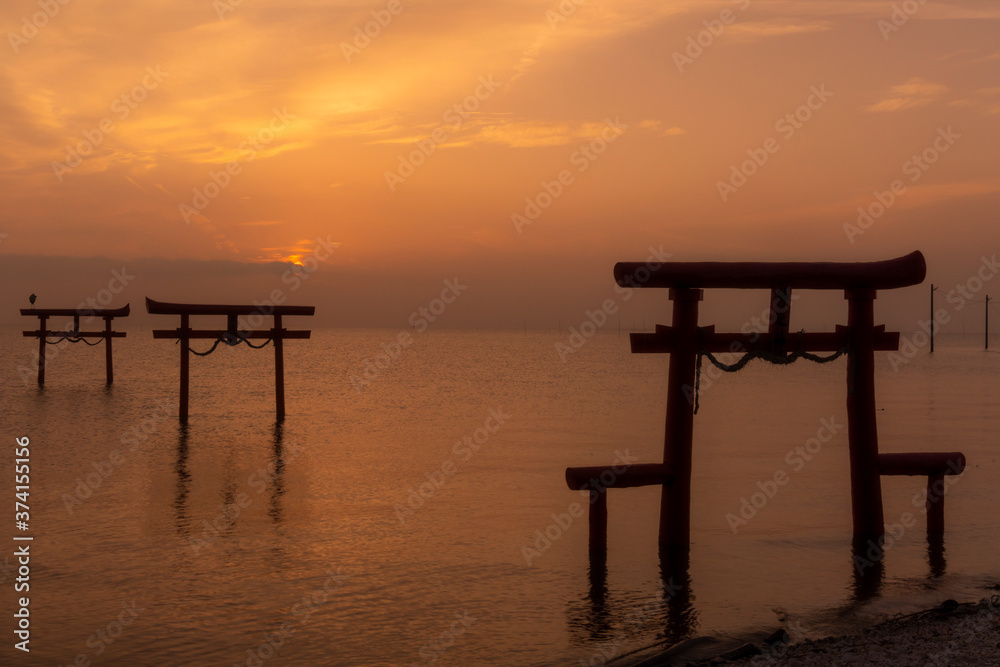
(687, 342)
(75, 336)
(231, 336)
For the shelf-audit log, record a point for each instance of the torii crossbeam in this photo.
(686, 342)
(230, 335)
(75, 335)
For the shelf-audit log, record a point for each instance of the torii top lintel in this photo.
(77, 312)
(887, 274)
(163, 308)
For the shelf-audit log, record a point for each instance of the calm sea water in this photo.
(211, 544)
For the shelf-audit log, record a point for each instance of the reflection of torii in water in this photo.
(224, 522)
(687, 343)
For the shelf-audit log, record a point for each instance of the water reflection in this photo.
(681, 617)
(598, 620)
(868, 556)
(278, 479)
(669, 614)
(183, 485)
(234, 495)
(935, 554)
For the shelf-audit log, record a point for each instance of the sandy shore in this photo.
(951, 634)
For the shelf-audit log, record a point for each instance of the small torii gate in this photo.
(231, 336)
(687, 343)
(75, 336)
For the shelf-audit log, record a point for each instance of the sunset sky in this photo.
(119, 120)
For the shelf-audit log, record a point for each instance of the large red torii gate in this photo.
(686, 342)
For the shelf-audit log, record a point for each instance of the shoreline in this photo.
(952, 633)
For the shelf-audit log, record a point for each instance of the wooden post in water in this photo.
(675, 498)
(41, 349)
(862, 432)
(987, 322)
(109, 368)
(932, 316)
(184, 335)
(279, 370)
(934, 504)
(598, 519)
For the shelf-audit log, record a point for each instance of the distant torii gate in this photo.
(687, 342)
(231, 336)
(75, 336)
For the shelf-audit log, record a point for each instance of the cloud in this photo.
(495, 129)
(656, 127)
(914, 93)
(777, 28)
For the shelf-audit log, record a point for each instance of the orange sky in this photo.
(311, 120)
